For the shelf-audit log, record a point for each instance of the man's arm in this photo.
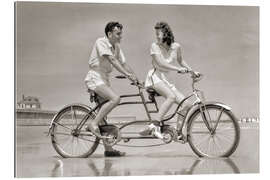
(128, 69)
(119, 67)
(121, 59)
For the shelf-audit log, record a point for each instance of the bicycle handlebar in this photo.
(137, 83)
(120, 77)
(194, 77)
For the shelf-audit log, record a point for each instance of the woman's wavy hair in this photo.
(168, 36)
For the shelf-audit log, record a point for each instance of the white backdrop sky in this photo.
(54, 41)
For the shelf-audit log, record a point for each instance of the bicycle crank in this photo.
(113, 134)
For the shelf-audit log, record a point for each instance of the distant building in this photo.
(249, 120)
(29, 102)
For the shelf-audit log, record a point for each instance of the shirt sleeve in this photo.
(103, 48)
(154, 49)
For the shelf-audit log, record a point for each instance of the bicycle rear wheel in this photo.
(66, 140)
(207, 142)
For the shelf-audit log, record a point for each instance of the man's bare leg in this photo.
(106, 93)
(113, 100)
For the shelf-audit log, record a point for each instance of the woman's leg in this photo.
(164, 90)
(183, 112)
(180, 118)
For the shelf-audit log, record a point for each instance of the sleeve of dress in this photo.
(154, 49)
(103, 48)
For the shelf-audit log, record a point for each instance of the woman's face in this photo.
(159, 35)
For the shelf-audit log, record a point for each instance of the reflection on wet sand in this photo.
(35, 157)
(107, 168)
(213, 166)
(57, 170)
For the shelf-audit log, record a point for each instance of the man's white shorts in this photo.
(94, 79)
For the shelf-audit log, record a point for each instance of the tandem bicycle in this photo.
(211, 128)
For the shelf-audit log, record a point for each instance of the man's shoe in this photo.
(114, 153)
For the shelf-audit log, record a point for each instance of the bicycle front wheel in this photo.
(66, 139)
(214, 132)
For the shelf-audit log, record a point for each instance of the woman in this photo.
(164, 52)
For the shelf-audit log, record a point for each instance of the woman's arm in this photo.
(161, 62)
(181, 61)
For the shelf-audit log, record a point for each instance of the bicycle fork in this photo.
(207, 118)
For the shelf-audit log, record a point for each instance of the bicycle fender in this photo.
(196, 107)
(74, 104)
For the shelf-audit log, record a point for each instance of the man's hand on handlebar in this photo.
(132, 78)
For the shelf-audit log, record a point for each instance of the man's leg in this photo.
(106, 93)
(113, 100)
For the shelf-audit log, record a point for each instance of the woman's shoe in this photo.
(156, 132)
(152, 130)
(148, 130)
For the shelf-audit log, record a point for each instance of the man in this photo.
(105, 55)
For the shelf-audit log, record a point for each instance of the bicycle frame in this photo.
(144, 103)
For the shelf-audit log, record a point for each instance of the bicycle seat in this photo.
(152, 93)
(94, 97)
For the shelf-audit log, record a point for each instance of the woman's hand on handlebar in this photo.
(182, 70)
(195, 74)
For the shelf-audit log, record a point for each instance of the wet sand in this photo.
(37, 158)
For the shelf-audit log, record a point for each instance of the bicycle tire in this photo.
(63, 127)
(232, 138)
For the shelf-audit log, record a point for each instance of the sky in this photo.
(54, 42)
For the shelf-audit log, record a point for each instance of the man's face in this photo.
(159, 35)
(115, 36)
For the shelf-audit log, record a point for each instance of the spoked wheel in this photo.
(68, 141)
(219, 138)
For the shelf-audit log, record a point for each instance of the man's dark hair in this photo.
(111, 25)
(168, 34)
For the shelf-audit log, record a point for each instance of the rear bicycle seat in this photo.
(152, 93)
(94, 97)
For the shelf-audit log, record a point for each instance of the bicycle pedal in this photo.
(181, 140)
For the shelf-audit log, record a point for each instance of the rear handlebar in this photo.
(137, 83)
